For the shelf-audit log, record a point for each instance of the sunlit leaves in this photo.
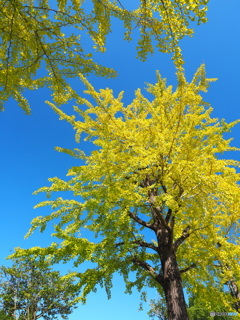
(41, 42)
(171, 145)
(41, 46)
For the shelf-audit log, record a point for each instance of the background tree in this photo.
(153, 193)
(4, 316)
(31, 290)
(158, 309)
(41, 41)
(196, 311)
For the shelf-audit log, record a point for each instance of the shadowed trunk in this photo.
(162, 224)
(173, 290)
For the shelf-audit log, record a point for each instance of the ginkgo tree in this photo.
(44, 43)
(156, 193)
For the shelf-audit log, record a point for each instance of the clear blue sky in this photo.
(28, 158)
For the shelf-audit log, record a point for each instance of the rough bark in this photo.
(234, 290)
(173, 290)
(170, 276)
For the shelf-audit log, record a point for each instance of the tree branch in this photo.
(185, 235)
(146, 245)
(140, 221)
(157, 215)
(181, 239)
(140, 243)
(172, 224)
(168, 216)
(149, 269)
(156, 211)
(164, 188)
(188, 268)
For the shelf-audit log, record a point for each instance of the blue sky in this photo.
(28, 157)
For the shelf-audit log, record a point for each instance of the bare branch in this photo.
(164, 188)
(146, 245)
(149, 269)
(168, 216)
(172, 223)
(141, 222)
(188, 268)
(140, 243)
(157, 215)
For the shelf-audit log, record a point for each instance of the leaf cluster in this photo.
(43, 44)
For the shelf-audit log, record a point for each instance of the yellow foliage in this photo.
(161, 160)
(38, 35)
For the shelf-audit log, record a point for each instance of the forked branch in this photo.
(149, 269)
(180, 240)
(140, 221)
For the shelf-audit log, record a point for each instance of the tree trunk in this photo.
(173, 290)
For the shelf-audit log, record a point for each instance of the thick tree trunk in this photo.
(172, 286)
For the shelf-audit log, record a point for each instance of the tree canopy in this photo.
(158, 309)
(155, 187)
(30, 289)
(43, 43)
(156, 195)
